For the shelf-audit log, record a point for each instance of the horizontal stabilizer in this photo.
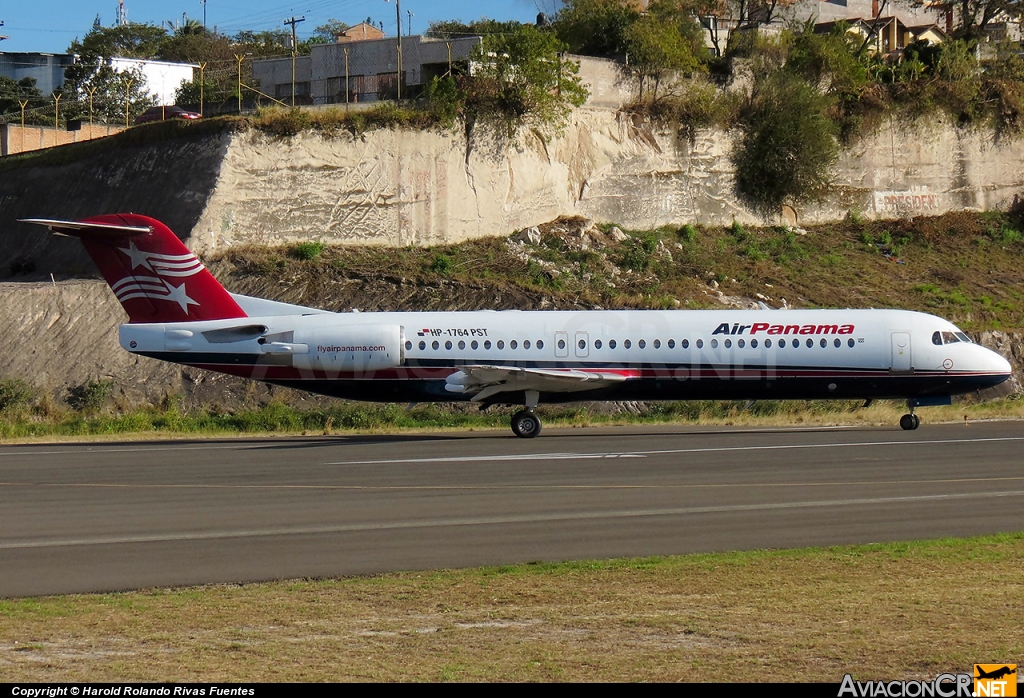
(81, 229)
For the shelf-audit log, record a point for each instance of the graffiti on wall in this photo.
(916, 199)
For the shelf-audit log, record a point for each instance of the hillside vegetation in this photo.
(963, 266)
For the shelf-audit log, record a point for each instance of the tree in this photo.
(665, 41)
(522, 80)
(15, 93)
(971, 17)
(327, 33)
(92, 75)
(595, 27)
(788, 145)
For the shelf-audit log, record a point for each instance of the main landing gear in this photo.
(909, 422)
(525, 423)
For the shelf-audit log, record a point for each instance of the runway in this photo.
(101, 517)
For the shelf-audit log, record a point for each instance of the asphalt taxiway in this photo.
(110, 516)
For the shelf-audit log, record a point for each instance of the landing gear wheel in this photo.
(525, 424)
(909, 422)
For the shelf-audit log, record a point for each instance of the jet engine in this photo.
(349, 348)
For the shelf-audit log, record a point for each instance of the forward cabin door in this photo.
(901, 360)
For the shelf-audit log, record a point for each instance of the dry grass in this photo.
(880, 611)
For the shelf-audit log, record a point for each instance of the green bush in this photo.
(14, 393)
(788, 144)
(443, 265)
(308, 251)
(91, 396)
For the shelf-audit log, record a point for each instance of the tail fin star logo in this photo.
(141, 285)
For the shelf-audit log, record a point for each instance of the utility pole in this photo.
(398, 23)
(204, 13)
(408, 30)
(295, 48)
(239, 58)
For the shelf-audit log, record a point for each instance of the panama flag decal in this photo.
(154, 285)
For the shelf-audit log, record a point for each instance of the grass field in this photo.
(887, 611)
(28, 425)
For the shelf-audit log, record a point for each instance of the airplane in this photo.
(995, 673)
(178, 312)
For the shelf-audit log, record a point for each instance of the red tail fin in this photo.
(154, 276)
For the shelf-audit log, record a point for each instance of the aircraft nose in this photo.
(996, 363)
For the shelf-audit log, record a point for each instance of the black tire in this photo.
(525, 424)
(917, 421)
(909, 422)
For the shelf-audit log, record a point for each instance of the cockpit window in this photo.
(963, 337)
(949, 338)
(937, 338)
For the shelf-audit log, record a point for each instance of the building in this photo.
(47, 69)
(363, 31)
(163, 79)
(363, 70)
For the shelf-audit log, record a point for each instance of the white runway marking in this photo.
(644, 454)
(489, 521)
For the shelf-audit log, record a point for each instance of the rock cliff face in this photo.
(402, 187)
(66, 336)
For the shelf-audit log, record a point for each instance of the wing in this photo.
(486, 381)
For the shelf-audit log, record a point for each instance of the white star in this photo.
(178, 295)
(137, 256)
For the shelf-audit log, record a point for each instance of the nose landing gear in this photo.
(909, 422)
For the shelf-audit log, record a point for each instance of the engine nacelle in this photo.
(349, 349)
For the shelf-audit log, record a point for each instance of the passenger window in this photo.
(501, 343)
(810, 342)
(540, 343)
(408, 345)
(850, 342)
(741, 343)
(671, 344)
(627, 344)
(782, 343)
(838, 342)
(448, 345)
(526, 344)
(513, 344)
(423, 345)
(657, 344)
(768, 343)
(597, 343)
(487, 344)
(435, 345)
(714, 343)
(582, 344)
(611, 343)
(642, 344)
(474, 345)
(753, 344)
(561, 344)
(728, 344)
(824, 342)
(462, 345)
(685, 344)
(700, 343)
